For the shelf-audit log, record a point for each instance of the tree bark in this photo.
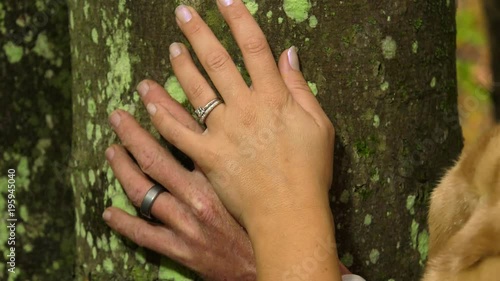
(36, 126)
(384, 72)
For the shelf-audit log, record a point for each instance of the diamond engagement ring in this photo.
(203, 112)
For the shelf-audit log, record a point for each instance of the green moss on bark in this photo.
(36, 137)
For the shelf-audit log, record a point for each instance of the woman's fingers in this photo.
(153, 159)
(289, 67)
(152, 92)
(155, 237)
(259, 60)
(194, 84)
(214, 58)
(189, 142)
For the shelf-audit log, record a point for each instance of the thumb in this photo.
(289, 67)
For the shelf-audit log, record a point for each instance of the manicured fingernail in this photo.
(110, 153)
(293, 58)
(143, 88)
(175, 50)
(183, 14)
(151, 109)
(226, 2)
(115, 119)
(106, 215)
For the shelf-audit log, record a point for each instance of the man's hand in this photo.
(197, 230)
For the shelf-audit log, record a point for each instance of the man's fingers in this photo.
(155, 237)
(153, 159)
(166, 207)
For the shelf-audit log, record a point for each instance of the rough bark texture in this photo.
(384, 72)
(492, 8)
(35, 126)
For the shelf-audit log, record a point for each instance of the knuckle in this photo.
(237, 14)
(255, 45)
(148, 161)
(299, 85)
(218, 60)
(137, 235)
(195, 90)
(192, 29)
(204, 209)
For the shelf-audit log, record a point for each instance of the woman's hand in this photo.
(197, 230)
(267, 151)
(269, 148)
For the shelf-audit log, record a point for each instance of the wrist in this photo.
(296, 215)
(288, 242)
(315, 219)
(293, 203)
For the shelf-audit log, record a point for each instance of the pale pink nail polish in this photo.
(183, 14)
(226, 3)
(151, 109)
(175, 50)
(293, 58)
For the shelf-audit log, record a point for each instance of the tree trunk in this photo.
(35, 126)
(384, 72)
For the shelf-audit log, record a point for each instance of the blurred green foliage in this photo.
(468, 28)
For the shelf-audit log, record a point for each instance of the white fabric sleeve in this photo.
(352, 277)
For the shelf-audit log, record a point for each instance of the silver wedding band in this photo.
(203, 112)
(149, 199)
